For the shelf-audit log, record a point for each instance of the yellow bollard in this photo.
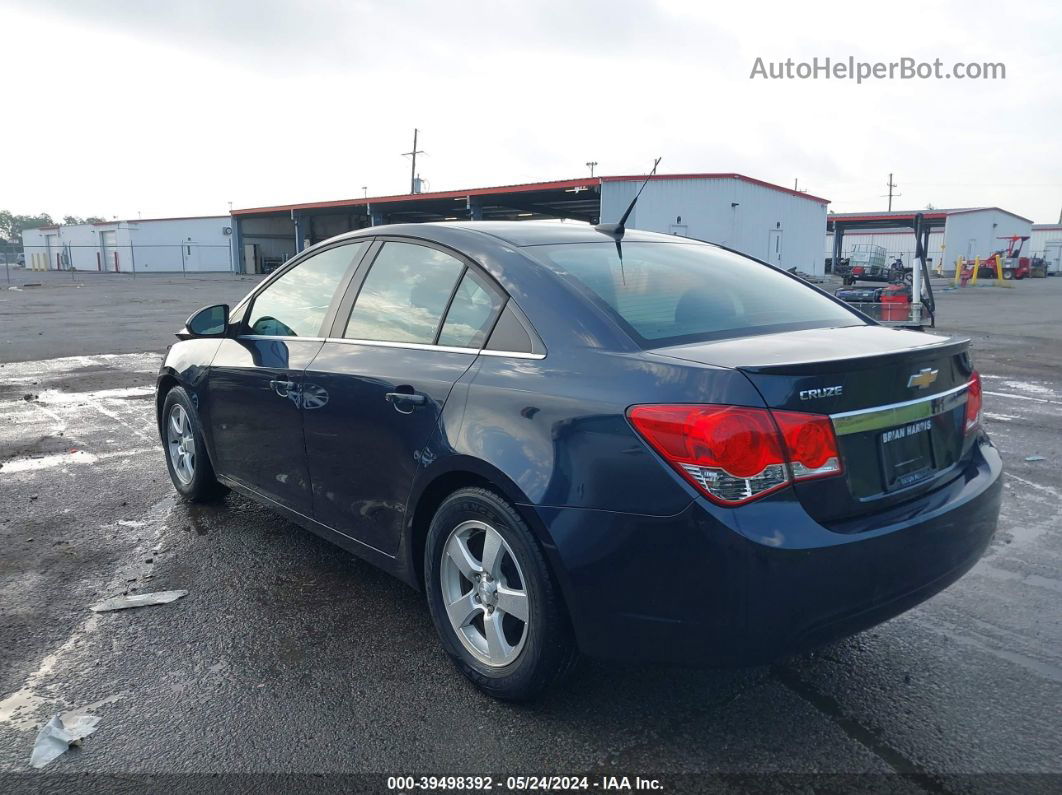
(999, 273)
(977, 270)
(958, 271)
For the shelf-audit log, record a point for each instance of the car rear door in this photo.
(255, 386)
(411, 324)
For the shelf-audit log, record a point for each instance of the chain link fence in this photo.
(132, 259)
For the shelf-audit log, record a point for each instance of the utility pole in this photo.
(890, 185)
(413, 170)
(590, 165)
(365, 191)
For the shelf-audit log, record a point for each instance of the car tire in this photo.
(1008, 274)
(186, 457)
(523, 657)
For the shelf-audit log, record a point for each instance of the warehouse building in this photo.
(1047, 243)
(150, 245)
(967, 232)
(767, 221)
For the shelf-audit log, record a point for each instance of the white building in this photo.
(150, 245)
(967, 232)
(1047, 243)
(769, 222)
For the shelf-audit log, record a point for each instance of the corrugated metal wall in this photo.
(751, 218)
(1042, 234)
(164, 245)
(977, 233)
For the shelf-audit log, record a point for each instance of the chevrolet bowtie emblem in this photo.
(923, 378)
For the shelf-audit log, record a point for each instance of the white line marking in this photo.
(1022, 397)
(1053, 492)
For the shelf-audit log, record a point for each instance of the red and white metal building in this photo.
(966, 232)
(782, 226)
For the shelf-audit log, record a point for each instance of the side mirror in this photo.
(210, 321)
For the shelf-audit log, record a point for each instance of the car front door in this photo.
(256, 378)
(418, 319)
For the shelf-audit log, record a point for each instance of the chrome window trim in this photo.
(278, 337)
(415, 346)
(513, 354)
(892, 414)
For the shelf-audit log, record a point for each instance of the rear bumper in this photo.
(717, 586)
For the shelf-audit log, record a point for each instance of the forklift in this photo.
(1015, 266)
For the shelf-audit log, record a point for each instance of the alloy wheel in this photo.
(180, 442)
(485, 593)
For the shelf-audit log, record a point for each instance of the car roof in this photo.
(518, 233)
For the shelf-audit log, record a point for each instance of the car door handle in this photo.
(406, 397)
(282, 388)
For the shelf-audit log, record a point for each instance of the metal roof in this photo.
(553, 192)
(904, 218)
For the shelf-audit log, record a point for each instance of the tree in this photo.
(74, 219)
(11, 225)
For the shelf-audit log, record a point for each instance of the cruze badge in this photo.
(821, 392)
(922, 378)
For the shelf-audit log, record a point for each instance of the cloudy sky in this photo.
(124, 107)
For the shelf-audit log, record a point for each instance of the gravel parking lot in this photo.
(290, 655)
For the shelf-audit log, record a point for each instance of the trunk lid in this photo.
(897, 399)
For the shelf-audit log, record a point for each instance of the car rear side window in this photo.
(405, 294)
(471, 313)
(671, 293)
(296, 303)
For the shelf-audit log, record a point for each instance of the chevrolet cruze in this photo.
(580, 439)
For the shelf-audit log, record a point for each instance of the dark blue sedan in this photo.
(631, 445)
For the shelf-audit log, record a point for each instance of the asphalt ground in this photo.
(289, 655)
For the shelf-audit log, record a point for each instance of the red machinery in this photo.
(1015, 266)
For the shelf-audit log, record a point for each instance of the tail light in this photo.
(736, 454)
(973, 402)
(810, 443)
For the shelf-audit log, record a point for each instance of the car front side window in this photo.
(296, 303)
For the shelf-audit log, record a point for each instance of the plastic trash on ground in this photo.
(137, 600)
(55, 737)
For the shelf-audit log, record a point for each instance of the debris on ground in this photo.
(1035, 458)
(56, 736)
(137, 600)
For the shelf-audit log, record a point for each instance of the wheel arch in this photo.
(167, 380)
(443, 479)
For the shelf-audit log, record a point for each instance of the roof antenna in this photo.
(617, 230)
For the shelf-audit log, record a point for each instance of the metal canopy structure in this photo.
(578, 199)
(839, 223)
(270, 235)
(921, 223)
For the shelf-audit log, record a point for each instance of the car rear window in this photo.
(672, 293)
